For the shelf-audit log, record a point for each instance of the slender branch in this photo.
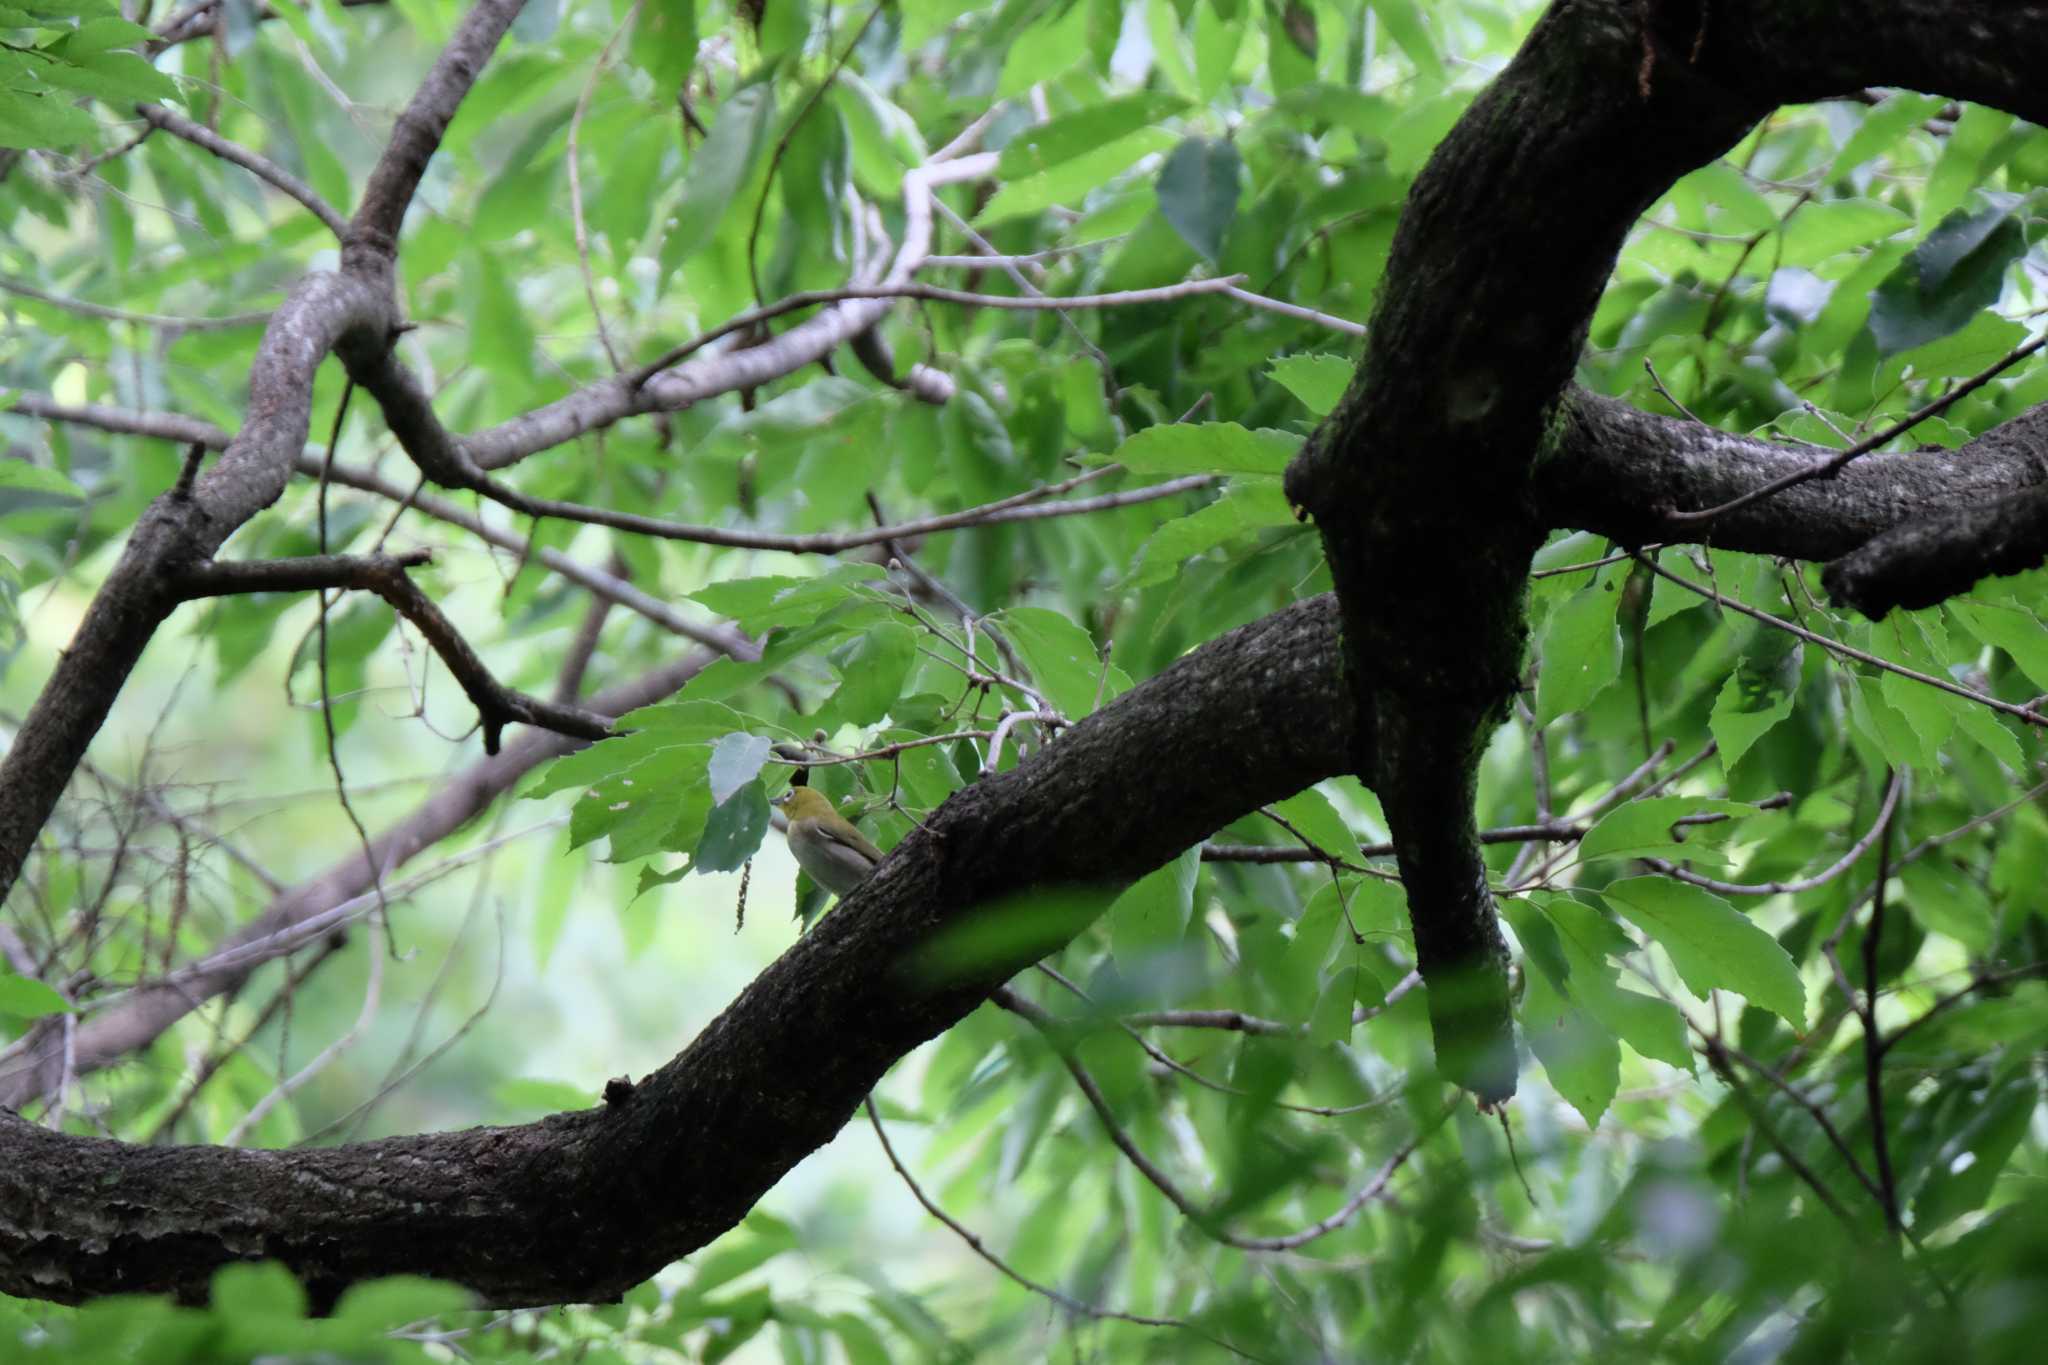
(1048, 1028)
(370, 240)
(1017, 507)
(262, 168)
(931, 293)
(2006, 708)
(1834, 463)
(980, 1248)
(149, 1010)
(164, 320)
(497, 705)
(1873, 1041)
(1803, 884)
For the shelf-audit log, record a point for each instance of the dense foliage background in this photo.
(1773, 872)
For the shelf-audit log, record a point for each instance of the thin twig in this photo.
(1835, 462)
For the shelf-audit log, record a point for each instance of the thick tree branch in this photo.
(370, 241)
(582, 1206)
(1468, 360)
(174, 533)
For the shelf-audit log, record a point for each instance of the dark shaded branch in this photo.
(582, 1206)
(497, 705)
(1904, 528)
(1464, 389)
(173, 533)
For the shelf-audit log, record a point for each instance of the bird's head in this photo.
(804, 803)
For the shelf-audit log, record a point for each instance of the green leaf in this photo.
(541, 1097)
(1579, 1057)
(1820, 230)
(732, 831)
(258, 1290)
(1901, 111)
(24, 997)
(1757, 695)
(1586, 939)
(1216, 43)
(2010, 627)
(393, 1302)
(1064, 660)
(758, 603)
(1198, 189)
(1310, 812)
(1581, 651)
(1249, 504)
(1317, 380)
(665, 41)
(1639, 829)
(1713, 946)
(1330, 1021)
(1207, 448)
(1408, 25)
(1947, 281)
(1067, 136)
(34, 478)
(1070, 180)
(735, 761)
(1043, 50)
(872, 667)
(1151, 917)
(718, 170)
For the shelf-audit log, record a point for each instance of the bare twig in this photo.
(261, 167)
(1833, 463)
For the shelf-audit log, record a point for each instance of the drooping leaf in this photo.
(1713, 945)
(1198, 190)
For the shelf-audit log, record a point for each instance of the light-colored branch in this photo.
(261, 167)
(164, 320)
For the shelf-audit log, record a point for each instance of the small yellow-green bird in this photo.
(825, 843)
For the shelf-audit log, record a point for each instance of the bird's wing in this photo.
(851, 838)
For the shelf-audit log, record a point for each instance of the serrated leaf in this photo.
(758, 603)
(1249, 504)
(1641, 829)
(1713, 945)
(1755, 697)
(1065, 663)
(1317, 380)
(1207, 448)
(1581, 651)
(872, 668)
(1310, 812)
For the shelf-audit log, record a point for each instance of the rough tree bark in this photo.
(1461, 431)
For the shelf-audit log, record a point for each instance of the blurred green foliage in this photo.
(1693, 1173)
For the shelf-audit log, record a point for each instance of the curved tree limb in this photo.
(1464, 393)
(582, 1206)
